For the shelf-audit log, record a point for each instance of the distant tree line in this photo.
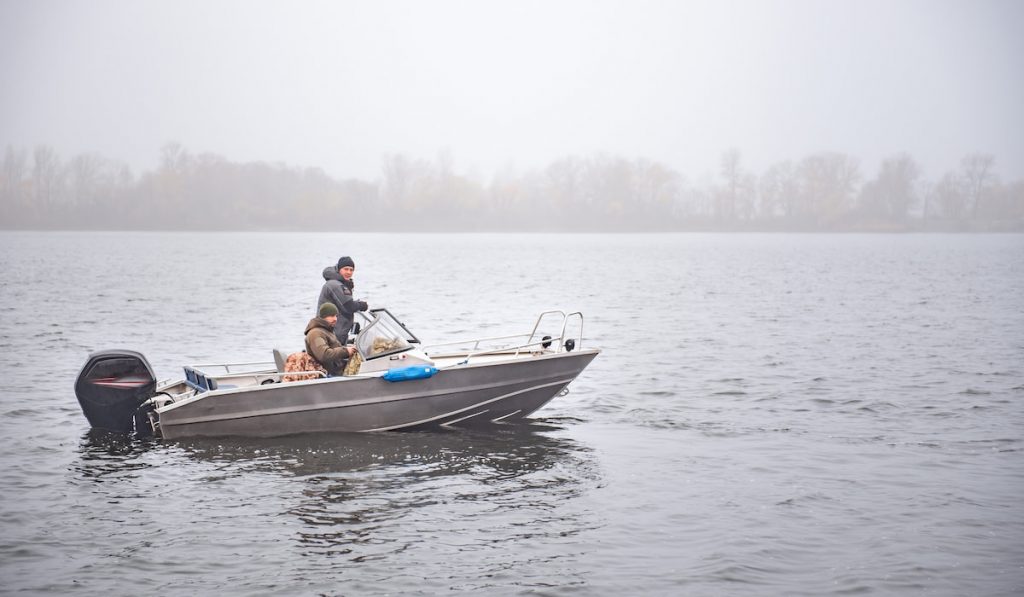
(824, 191)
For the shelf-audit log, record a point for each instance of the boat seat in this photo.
(198, 381)
(201, 382)
(279, 360)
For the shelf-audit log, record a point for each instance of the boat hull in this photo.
(464, 395)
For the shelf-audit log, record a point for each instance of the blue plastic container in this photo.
(410, 372)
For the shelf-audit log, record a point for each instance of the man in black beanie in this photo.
(337, 290)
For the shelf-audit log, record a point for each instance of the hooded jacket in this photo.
(337, 290)
(322, 345)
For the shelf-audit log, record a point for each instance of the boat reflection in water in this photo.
(500, 450)
(362, 496)
(377, 499)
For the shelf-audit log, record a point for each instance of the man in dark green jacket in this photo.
(323, 345)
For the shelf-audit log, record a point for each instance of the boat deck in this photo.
(228, 376)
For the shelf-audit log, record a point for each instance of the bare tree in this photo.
(85, 171)
(950, 196)
(563, 184)
(891, 194)
(653, 193)
(504, 194)
(398, 179)
(828, 181)
(1014, 203)
(13, 183)
(736, 198)
(46, 177)
(174, 157)
(454, 199)
(1003, 207)
(610, 183)
(682, 202)
(977, 170)
(779, 190)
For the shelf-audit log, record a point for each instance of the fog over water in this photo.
(771, 414)
(499, 85)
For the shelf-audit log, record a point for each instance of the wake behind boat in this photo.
(399, 384)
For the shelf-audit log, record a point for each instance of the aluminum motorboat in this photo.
(397, 383)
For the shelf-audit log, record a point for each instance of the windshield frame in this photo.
(383, 319)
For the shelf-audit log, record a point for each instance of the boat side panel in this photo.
(454, 396)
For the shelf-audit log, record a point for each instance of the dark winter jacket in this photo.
(339, 291)
(322, 345)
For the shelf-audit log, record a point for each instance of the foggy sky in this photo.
(516, 84)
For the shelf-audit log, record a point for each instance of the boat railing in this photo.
(201, 380)
(566, 317)
(474, 344)
(204, 367)
(271, 375)
(512, 350)
(473, 348)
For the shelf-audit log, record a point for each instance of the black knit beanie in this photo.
(346, 261)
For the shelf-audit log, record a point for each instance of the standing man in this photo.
(337, 290)
(322, 345)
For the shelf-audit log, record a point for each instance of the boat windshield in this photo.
(383, 335)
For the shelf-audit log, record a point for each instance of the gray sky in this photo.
(337, 85)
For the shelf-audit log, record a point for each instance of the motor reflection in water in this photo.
(108, 455)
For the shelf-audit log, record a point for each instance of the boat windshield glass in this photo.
(383, 335)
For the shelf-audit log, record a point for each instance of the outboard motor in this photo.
(112, 386)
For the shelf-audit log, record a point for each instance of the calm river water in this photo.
(770, 415)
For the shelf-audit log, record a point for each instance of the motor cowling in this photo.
(112, 386)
